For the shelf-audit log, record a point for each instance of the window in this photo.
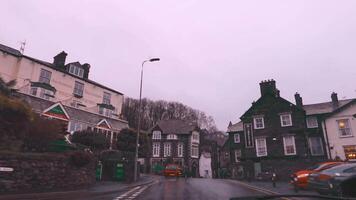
(289, 145)
(156, 135)
(261, 147)
(171, 137)
(105, 111)
(106, 98)
(180, 150)
(350, 152)
(75, 70)
(155, 149)
(45, 76)
(195, 151)
(167, 149)
(33, 91)
(237, 138)
(286, 120)
(312, 122)
(45, 94)
(195, 136)
(78, 89)
(259, 123)
(344, 128)
(237, 155)
(75, 126)
(316, 146)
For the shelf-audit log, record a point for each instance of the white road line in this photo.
(127, 193)
(133, 193)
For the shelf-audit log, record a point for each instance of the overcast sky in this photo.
(213, 53)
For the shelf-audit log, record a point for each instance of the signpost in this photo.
(6, 169)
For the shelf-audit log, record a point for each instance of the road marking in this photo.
(127, 193)
(133, 193)
(265, 191)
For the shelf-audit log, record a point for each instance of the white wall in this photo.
(205, 165)
(25, 70)
(333, 131)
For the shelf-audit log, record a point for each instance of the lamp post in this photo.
(139, 116)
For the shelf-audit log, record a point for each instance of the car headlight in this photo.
(303, 175)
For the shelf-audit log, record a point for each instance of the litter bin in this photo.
(119, 175)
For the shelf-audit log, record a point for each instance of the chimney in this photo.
(60, 59)
(269, 87)
(298, 100)
(86, 68)
(334, 99)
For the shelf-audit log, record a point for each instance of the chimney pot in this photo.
(334, 99)
(60, 59)
(268, 87)
(298, 100)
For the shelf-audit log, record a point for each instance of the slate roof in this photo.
(39, 105)
(17, 53)
(10, 50)
(174, 126)
(325, 108)
(235, 127)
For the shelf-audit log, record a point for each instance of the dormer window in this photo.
(172, 137)
(75, 70)
(156, 135)
(107, 110)
(42, 90)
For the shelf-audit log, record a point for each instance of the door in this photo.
(257, 167)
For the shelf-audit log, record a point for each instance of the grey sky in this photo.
(213, 53)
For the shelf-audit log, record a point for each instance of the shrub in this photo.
(96, 141)
(15, 118)
(41, 133)
(80, 158)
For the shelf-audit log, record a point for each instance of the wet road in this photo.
(207, 189)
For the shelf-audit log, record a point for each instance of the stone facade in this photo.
(272, 133)
(183, 135)
(43, 173)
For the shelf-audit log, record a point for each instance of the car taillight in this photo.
(324, 177)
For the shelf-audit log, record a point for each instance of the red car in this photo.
(172, 170)
(300, 178)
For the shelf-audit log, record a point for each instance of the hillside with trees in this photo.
(154, 111)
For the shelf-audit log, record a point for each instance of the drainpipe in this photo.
(327, 140)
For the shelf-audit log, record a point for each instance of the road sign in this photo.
(6, 169)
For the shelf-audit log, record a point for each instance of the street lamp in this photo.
(139, 116)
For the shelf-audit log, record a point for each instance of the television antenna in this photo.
(22, 48)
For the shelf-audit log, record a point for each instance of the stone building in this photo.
(271, 136)
(63, 91)
(175, 141)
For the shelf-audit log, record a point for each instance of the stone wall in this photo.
(43, 172)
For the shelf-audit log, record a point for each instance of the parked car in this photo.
(172, 170)
(300, 178)
(337, 180)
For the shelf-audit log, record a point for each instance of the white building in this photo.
(337, 121)
(205, 165)
(64, 92)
